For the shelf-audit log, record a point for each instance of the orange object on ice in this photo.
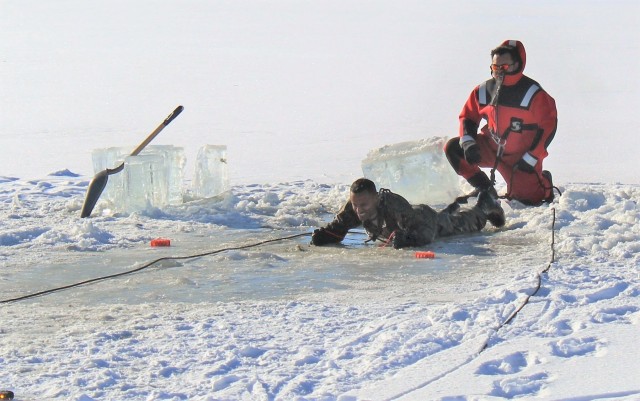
(425, 255)
(161, 242)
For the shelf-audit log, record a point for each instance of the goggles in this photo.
(500, 67)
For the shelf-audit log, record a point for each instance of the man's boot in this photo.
(480, 181)
(490, 206)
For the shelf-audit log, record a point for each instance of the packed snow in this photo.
(240, 306)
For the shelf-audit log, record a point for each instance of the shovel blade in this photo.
(96, 186)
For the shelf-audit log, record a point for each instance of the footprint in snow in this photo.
(307, 360)
(510, 364)
(606, 293)
(608, 315)
(225, 382)
(562, 327)
(517, 386)
(571, 347)
(252, 352)
(223, 368)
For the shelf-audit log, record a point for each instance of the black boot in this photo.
(480, 181)
(490, 206)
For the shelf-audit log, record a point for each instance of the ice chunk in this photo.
(154, 178)
(211, 172)
(145, 182)
(109, 158)
(106, 158)
(417, 170)
(174, 161)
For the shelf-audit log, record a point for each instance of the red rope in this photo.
(388, 241)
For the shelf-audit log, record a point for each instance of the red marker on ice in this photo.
(161, 242)
(425, 255)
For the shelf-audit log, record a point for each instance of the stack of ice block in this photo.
(417, 170)
(155, 177)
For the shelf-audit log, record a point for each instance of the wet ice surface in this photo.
(284, 269)
(110, 243)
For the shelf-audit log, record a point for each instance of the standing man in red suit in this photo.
(520, 123)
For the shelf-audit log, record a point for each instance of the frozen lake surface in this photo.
(282, 270)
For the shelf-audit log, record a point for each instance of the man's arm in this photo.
(546, 116)
(469, 122)
(544, 108)
(470, 117)
(335, 231)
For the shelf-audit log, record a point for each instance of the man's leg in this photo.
(528, 188)
(462, 221)
(455, 155)
(471, 172)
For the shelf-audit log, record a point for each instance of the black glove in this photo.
(525, 165)
(400, 240)
(471, 152)
(321, 237)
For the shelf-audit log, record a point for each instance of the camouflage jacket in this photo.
(419, 224)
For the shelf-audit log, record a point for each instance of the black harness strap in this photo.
(382, 194)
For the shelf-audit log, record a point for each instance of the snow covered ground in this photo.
(301, 92)
(286, 320)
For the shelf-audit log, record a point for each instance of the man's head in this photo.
(508, 61)
(504, 61)
(364, 199)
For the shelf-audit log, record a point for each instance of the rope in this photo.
(538, 285)
(388, 240)
(97, 279)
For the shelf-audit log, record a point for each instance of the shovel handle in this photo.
(155, 132)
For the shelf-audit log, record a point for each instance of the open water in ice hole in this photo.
(278, 270)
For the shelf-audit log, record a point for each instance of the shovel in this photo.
(99, 181)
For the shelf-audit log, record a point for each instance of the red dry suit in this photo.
(520, 116)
